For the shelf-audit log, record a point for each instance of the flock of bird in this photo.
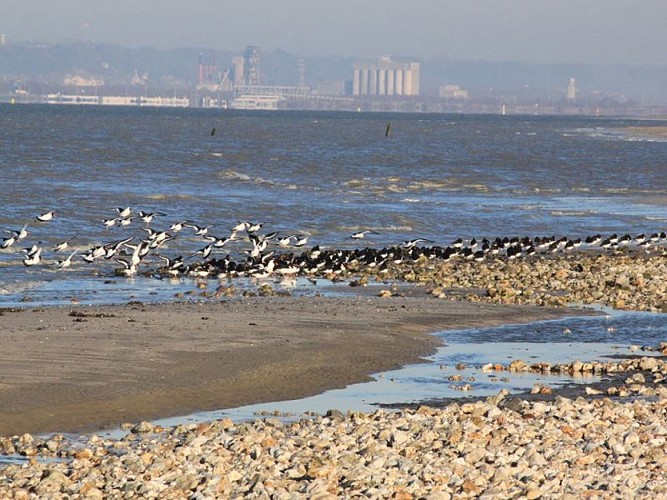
(250, 252)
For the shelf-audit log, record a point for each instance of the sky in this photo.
(542, 31)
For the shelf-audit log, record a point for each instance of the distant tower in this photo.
(251, 65)
(3, 39)
(207, 69)
(301, 66)
(571, 94)
(237, 65)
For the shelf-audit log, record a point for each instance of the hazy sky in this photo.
(569, 31)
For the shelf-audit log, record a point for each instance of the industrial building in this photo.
(386, 78)
(207, 71)
(237, 71)
(251, 66)
(452, 92)
(157, 101)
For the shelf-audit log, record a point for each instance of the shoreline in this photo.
(81, 369)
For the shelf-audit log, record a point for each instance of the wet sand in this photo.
(78, 369)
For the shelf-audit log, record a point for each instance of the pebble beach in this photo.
(502, 447)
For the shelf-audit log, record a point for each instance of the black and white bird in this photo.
(111, 249)
(593, 241)
(221, 242)
(109, 223)
(124, 213)
(284, 241)
(33, 258)
(33, 249)
(413, 243)
(22, 233)
(63, 245)
(300, 240)
(241, 226)
(65, 263)
(95, 253)
(361, 234)
(205, 252)
(178, 226)
(199, 230)
(129, 268)
(253, 227)
(45, 217)
(173, 266)
(148, 217)
(7, 242)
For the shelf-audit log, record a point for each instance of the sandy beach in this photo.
(83, 368)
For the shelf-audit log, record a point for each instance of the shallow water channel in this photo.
(557, 341)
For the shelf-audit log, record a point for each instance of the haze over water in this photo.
(320, 174)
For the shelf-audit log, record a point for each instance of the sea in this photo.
(323, 175)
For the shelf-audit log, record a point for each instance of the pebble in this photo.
(628, 281)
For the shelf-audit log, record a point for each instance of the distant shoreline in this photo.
(647, 131)
(169, 103)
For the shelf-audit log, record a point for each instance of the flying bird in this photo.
(33, 258)
(362, 234)
(62, 264)
(45, 217)
(124, 212)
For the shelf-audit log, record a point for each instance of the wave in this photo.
(169, 196)
(649, 192)
(572, 213)
(625, 134)
(241, 177)
(20, 287)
